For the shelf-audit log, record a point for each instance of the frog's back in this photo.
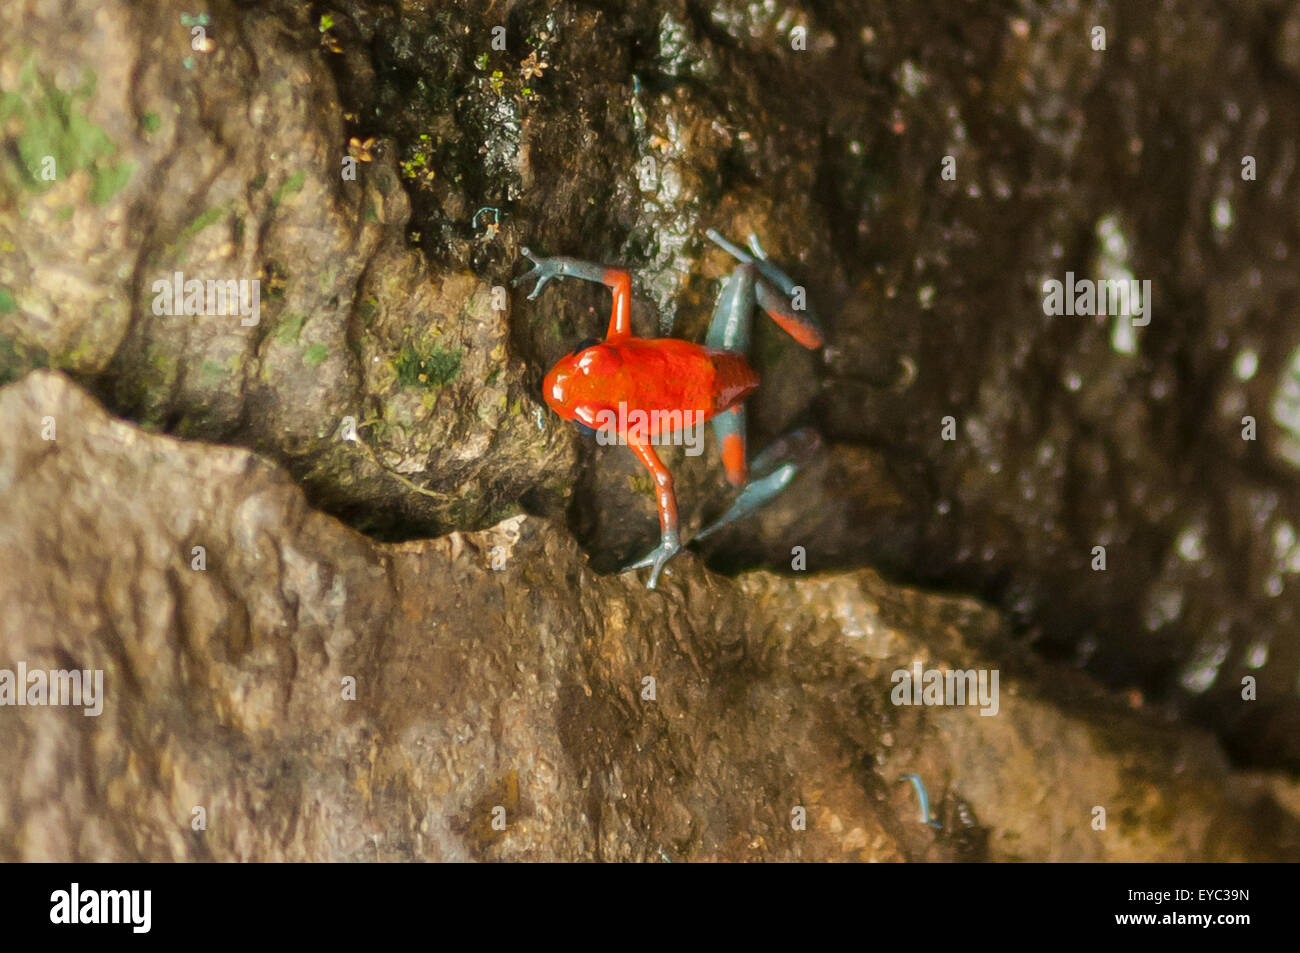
(672, 374)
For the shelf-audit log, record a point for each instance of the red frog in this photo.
(639, 391)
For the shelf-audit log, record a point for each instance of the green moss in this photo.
(10, 362)
(290, 326)
(150, 122)
(316, 354)
(7, 303)
(152, 377)
(275, 278)
(327, 279)
(259, 180)
(435, 368)
(109, 181)
(289, 186)
(201, 221)
(51, 122)
(642, 486)
(80, 354)
(16, 360)
(502, 512)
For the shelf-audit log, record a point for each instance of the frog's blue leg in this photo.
(729, 330)
(733, 315)
(729, 428)
(783, 300)
(617, 280)
(758, 258)
(750, 285)
(775, 467)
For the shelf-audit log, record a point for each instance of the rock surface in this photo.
(622, 135)
(519, 687)
(228, 164)
(132, 149)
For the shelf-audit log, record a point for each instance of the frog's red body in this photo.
(643, 388)
(648, 374)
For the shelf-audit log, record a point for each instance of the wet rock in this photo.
(1165, 151)
(232, 163)
(1073, 150)
(496, 676)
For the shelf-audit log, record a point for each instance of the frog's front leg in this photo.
(616, 279)
(669, 541)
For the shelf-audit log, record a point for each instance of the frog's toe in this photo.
(543, 270)
(735, 251)
(530, 273)
(657, 558)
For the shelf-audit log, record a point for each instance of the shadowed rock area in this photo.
(520, 687)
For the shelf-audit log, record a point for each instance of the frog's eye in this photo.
(589, 342)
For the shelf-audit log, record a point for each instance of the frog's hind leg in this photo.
(733, 315)
(772, 471)
(729, 428)
(774, 475)
(729, 330)
(775, 292)
(747, 287)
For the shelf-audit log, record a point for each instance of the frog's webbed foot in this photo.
(544, 269)
(669, 545)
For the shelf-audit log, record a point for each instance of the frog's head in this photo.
(575, 387)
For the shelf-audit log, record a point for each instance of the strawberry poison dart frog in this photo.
(606, 383)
